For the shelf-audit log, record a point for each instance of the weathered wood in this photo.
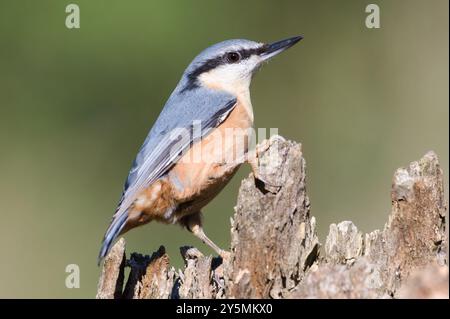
(273, 237)
(158, 279)
(196, 280)
(430, 282)
(378, 263)
(150, 276)
(111, 278)
(275, 252)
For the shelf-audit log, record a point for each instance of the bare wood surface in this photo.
(275, 251)
(111, 278)
(273, 238)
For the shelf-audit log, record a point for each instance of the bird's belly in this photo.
(200, 187)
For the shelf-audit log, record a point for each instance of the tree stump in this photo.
(275, 251)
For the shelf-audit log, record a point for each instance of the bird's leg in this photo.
(193, 223)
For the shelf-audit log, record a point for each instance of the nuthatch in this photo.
(164, 183)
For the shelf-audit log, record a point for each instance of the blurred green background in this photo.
(75, 105)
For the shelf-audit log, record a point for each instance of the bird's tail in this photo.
(111, 234)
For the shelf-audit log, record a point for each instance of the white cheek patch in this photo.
(219, 78)
(234, 78)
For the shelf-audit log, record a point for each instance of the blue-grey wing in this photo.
(161, 148)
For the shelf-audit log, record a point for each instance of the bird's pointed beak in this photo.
(275, 48)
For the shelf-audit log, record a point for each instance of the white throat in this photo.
(225, 79)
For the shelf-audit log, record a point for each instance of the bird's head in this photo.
(229, 65)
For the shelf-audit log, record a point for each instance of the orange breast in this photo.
(210, 163)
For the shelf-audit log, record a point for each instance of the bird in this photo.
(212, 98)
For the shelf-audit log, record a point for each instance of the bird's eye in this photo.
(233, 57)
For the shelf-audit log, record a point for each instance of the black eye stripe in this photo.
(246, 53)
(210, 64)
(205, 67)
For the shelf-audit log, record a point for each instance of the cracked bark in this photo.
(275, 251)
